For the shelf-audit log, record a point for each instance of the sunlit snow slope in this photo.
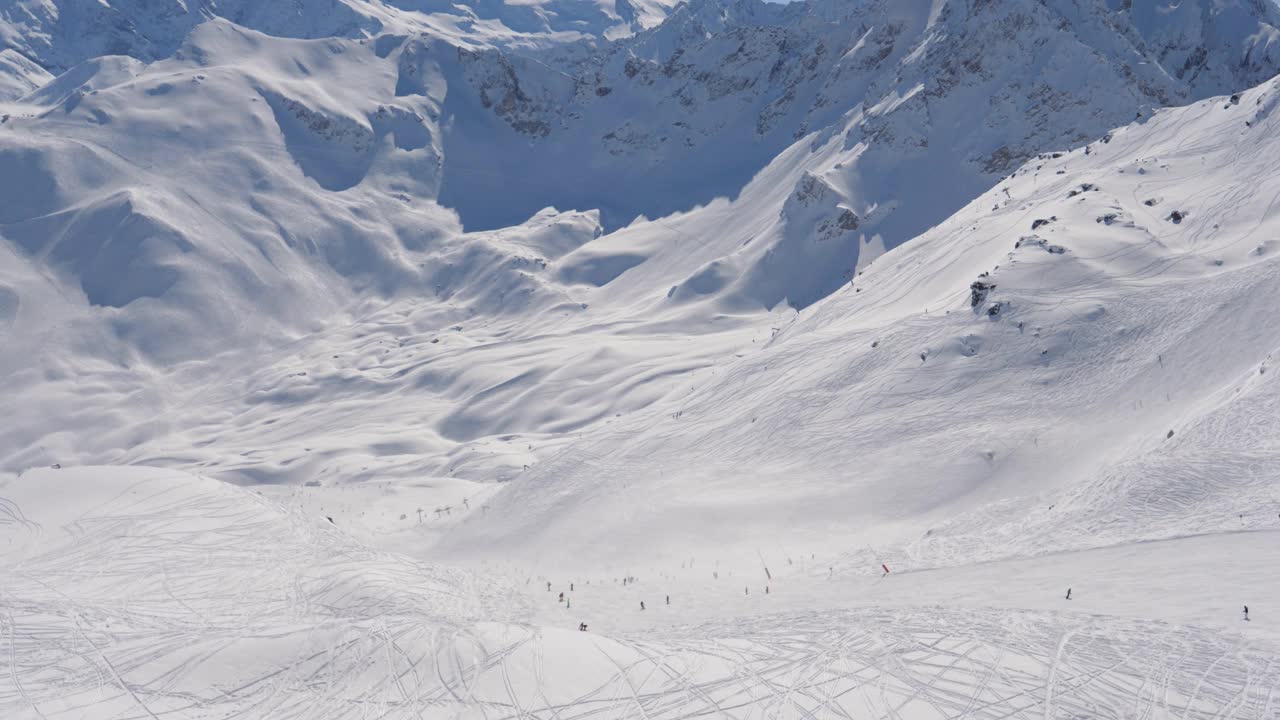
(1084, 355)
(255, 252)
(147, 593)
(903, 357)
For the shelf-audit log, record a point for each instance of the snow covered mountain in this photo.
(693, 109)
(753, 301)
(312, 185)
(59, 34)
(1080, 357)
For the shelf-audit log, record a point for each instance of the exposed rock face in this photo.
(692, 109)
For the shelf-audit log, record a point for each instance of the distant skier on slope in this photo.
(1068, 593)
(668, 599)
(641, 604)
(1246, 612)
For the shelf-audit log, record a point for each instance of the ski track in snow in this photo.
(161, 601)
(648, 390)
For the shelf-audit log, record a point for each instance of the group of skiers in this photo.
(628, 580)
(746, 591)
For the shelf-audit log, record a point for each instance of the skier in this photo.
(746, 591)
(766, 589)
(1246, 612)
(570, 587)
(561, 597)
(641, 604)
(548, 586)
(668, 599)
(1068, 593)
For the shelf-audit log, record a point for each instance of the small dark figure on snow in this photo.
(766, 589)
(561, 597)
(641, 604)
(582, 627)
(1068, 593)
(1246, 612)
(668, 599)
(331, 522)
(570, 587)
(548, 586)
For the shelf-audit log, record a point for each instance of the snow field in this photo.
(136, 593)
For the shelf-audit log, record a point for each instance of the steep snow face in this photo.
(1082, 356)
(691, 110)
(19, 75)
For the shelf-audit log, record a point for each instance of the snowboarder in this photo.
(1246, 612)
(1068, 593)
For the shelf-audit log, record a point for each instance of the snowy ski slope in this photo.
(339, 339)
(147, 593)
(138, 593)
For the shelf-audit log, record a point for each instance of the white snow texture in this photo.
(631, 359)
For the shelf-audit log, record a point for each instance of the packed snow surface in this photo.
(149, 593)
(891, 358)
